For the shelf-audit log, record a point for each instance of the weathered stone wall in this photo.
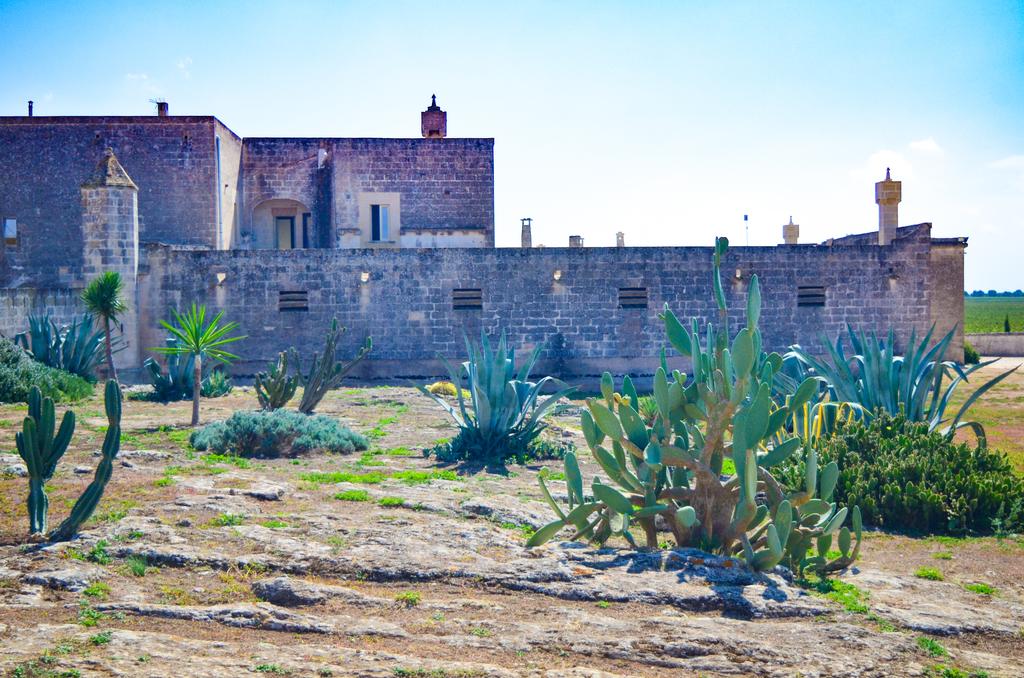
(1002, 344)
(947, 298)
(406, 304)
(45, 160)
(446, 185)
(229, 185)
(16, 305)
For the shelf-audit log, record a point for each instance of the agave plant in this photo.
(506, 409)
(76, 348)
(877, 378)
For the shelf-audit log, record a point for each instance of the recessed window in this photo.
(285, 227)
(10, 231)
(380, 223)
(464, 299)
(380, 218)
(632, 297)
(808, 295)
(293, 300)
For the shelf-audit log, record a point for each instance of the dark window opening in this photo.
(632, 297)
(10, 231)
(810, 296)
(307, 228)
(467, 298)
(380, 217)
(293, 300)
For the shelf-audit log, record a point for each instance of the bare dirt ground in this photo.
(386, 564)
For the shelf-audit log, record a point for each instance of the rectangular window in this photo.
(307, 227)
(465, 299)
(293, 300)
(10, 231)
(380, 216)
(632, 297)
(285, 232)
(810, 296)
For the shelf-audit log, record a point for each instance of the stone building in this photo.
(395, 237)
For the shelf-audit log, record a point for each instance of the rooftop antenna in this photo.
(746, 227)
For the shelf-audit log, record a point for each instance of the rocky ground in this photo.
(386, 564)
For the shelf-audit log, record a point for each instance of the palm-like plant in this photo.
(102, 298)
(200, 340)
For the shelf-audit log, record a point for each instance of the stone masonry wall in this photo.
(16, 305)
(45, 160)
(406, 305)
(446, 184)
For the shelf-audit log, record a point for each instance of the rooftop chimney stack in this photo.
(575, 241)
(888, 194)
(790, 233)
(434, 121)
(527, 232)
(162, 109)
(620, 239)
(30, 102)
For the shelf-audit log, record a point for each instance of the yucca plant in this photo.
(877, 378)
(102, 298)
(505, 409)
(199, 339)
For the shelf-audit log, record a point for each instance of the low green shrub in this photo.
(19, 373)
(464, 445)
(277, 433)
(971, 355)
(904, 477)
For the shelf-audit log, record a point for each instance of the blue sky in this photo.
(666, 120)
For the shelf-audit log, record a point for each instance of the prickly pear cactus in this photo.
(672, 464)
(89, 499)
(41, 450)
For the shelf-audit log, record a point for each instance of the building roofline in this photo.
(424, 139)
(82, 119)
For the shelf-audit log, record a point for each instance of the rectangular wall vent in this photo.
(632, 297)
(293, 300)
(467, 298)
(810, 296)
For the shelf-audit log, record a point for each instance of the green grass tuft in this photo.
(352, 495)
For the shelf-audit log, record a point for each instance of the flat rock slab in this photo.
(74, 577)
(939, 608)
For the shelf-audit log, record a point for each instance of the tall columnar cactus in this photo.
(275, 388)
(671, 465)
(89, 499)
(326, 372)
(41, 450)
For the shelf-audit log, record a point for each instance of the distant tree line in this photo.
(993, 293)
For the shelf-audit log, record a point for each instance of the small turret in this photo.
(888, 194)
(434, 121)
(790, 232)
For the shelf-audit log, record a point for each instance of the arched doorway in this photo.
(282, 224)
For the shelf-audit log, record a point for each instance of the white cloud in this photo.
(928, 146)
(185, 67)
(143, 82)
(1010, 162)
(874, 167)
